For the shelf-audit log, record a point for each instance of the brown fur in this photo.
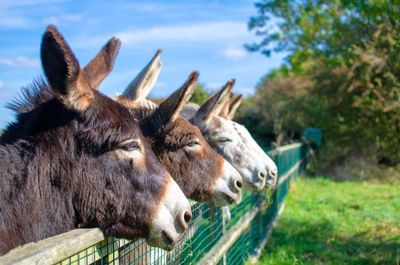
(101, 65)
(195, 169)
(58, 164)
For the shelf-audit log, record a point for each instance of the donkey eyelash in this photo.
(224, 140)
(193, 143)
(131, 146)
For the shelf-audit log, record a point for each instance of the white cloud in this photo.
(12, 22)
(62, 20)
(202, 32)
(20, 62)
(234, 53)
(18, 14)
(11, 17)
(2, 85)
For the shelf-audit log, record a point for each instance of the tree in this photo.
(342, 73)
(319, 29)
(200, 94)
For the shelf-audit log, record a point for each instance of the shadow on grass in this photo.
(302, 242)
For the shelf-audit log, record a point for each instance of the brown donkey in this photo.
(76, 158)
(201, 173)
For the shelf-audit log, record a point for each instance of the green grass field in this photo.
(327, 222)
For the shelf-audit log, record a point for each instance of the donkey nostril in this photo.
(273, 172)
(262, 174)
(238, 184)
(187, 217)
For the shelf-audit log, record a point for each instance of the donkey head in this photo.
(226, 137)
(228, 113)
(200, 172)
(96, 148)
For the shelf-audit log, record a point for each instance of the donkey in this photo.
(232, 139)
(200, 172)
(229, 138)
(76, 158)
(228, 112)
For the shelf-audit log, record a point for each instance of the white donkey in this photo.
(229, 138)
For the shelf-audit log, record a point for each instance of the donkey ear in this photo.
(63, 71)
(214, 105)
(141, 86)
(101, 65)
(234, 106)
(169, 110)
(225, 108)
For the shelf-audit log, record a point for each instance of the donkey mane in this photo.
(31, 96)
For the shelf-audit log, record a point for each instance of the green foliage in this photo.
(319, 29)
(327, 222)
(342, 74)
(200, 95)
(277, 108)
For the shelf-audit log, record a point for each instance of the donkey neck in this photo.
(32, 206)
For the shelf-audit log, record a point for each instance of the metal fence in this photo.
(214, 236)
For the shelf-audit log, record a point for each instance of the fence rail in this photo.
(213, 238)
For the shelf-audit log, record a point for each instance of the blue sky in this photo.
(207, 36)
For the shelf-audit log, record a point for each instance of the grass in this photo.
(327, 222)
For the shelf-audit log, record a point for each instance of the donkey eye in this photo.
(193, 143)
(131, 146)
(224, 140)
